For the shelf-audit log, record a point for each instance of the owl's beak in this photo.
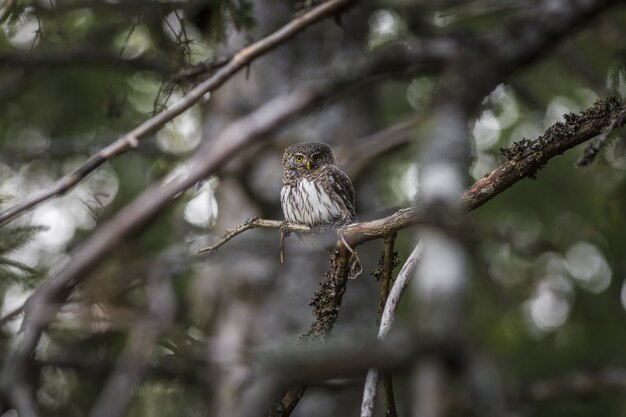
(308, 165)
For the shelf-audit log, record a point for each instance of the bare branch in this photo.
(591, 151)
(150, 126)
(386, 322)
(253, 224)
(576, 383)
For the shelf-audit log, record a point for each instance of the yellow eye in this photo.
(299, 158)
(317, 157)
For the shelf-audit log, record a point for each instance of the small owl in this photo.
(315, 192)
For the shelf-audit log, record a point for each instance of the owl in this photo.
(315, 192)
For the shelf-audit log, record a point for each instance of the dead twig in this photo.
(592, 150)
(255, 223)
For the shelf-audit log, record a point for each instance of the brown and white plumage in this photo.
(315, 191)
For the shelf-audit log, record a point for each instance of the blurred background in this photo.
(548, 294)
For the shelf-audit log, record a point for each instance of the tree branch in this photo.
(576, 383)
(255, 223)
(386, 322)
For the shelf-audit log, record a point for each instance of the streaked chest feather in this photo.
(307, 203)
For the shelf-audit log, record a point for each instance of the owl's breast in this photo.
(309, 203)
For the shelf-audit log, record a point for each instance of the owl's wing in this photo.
(342, 186)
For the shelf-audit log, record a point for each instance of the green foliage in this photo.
(224, 14)
(11, 240)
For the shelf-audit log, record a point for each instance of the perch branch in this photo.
(525, 159)
(240, 60)
(255, 223)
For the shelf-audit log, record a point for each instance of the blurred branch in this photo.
(150, 126)
(576, 383)
(6, 9)
(92, 56)
(134, 360)
(318, 363)
(11, 315)
(357, 153)
(386, 322)
(185, 370)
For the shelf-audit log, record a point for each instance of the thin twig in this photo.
(255, 223)
(150, 126)
(592, 150)
(386, 322)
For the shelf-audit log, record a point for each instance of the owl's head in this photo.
(307, 156)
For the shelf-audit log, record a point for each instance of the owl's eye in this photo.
(299, 158)
(317, 157)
